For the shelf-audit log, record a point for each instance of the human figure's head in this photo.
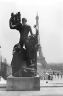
(24, 20)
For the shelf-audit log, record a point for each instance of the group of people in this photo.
(23, 29)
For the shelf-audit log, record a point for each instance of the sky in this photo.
(50, 26)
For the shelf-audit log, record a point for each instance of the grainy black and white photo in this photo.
(31, 47)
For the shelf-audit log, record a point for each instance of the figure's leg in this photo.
(21, 43)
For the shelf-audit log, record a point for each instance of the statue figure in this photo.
(23, 28)
(24, 59)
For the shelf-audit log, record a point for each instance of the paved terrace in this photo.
(47, 88)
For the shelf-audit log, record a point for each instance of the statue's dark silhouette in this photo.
(24, 61)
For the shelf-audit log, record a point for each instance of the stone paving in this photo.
(50, 91)
(46, 89)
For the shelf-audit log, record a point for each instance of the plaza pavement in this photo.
(44, 91)
(47, 88)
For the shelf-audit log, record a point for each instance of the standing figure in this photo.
(24, 32)
(23, 28)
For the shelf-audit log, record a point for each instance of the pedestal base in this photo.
(23, 83)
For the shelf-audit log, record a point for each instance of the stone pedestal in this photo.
(23, 83)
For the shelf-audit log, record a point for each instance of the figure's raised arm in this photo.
(11, 25)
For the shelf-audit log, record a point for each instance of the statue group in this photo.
(24, 61)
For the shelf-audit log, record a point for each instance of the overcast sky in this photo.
(50, 26)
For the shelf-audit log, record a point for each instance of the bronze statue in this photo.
(24, 61)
